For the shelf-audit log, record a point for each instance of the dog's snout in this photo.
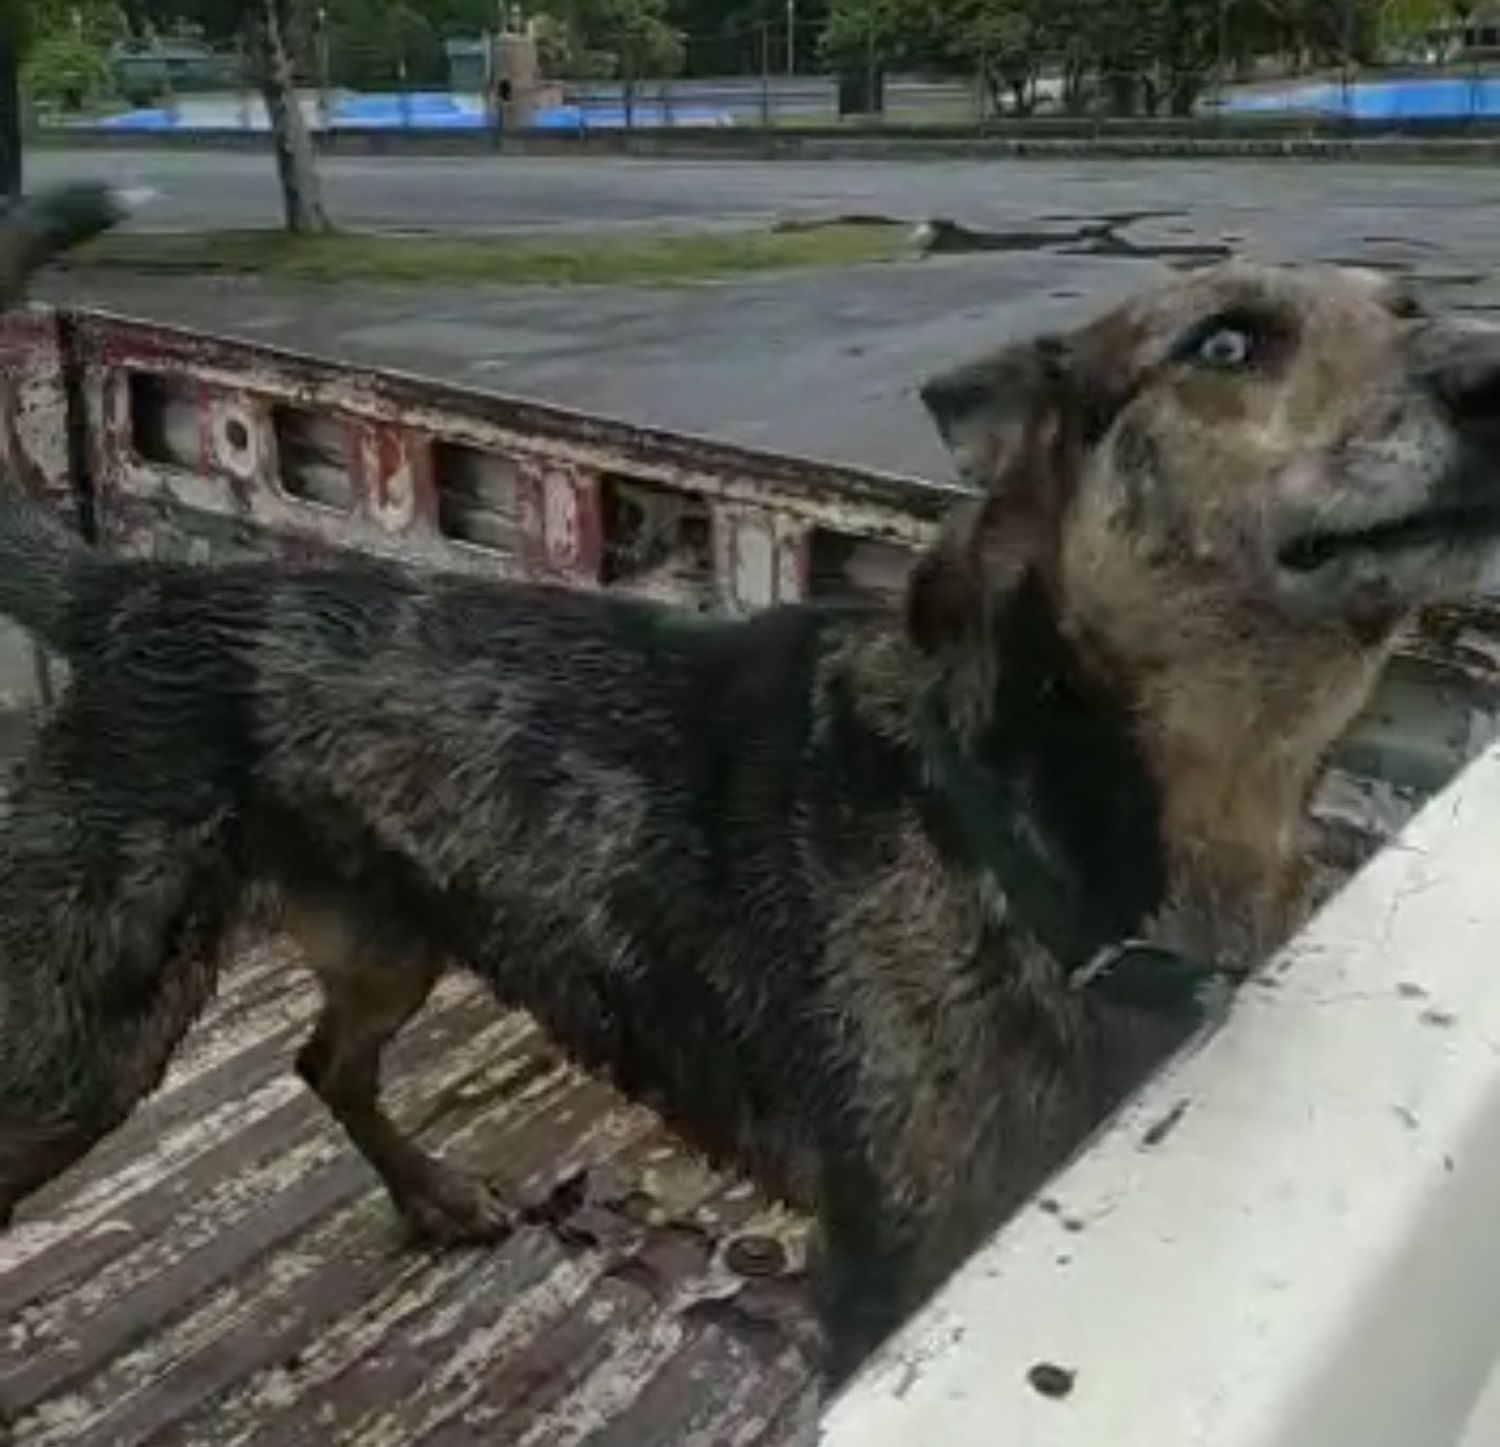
(1465, 377)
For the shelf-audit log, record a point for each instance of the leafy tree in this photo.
(1009, 40)
(269, 28)
(885, 33)
(375, 43)
(629, 39)
(67, 70)
(1126, 56)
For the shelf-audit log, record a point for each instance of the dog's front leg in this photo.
(373, 983)
(911, 1190)
(861, 1299)
(882, 1249)
(867, 1259)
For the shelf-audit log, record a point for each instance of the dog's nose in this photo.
(1465, 375)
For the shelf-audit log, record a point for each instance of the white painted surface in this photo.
(1484, 1426)
(1308, 1258)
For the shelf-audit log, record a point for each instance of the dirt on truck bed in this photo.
(226, 1270)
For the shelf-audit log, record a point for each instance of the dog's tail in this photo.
(40, 227)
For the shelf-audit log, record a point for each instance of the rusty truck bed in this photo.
(225, 1269)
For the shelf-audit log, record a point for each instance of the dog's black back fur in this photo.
(723, 862)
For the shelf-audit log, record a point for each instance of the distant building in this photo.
(146, 69)
(1481, 30)
(468, 64)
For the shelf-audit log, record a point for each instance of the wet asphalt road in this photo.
(819, 363)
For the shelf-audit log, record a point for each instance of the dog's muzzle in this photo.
(1458, 368)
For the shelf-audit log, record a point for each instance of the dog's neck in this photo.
(1236, 754)
(1178, 802)
(1042, 783)
(1236, 760)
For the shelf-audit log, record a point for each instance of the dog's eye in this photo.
(1226, 348)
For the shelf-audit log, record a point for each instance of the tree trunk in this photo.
(301, 192)
(1022, 93)
(1123, 89)
(10, 100)
(1074, 87)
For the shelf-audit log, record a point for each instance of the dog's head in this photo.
(1245, 452)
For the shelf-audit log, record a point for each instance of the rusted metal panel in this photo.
(411, 470)
(395, 475)
(600, 444)
(33, 404)
(753, 571)
(560, 521)
(36, 454)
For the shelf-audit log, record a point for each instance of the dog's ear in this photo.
(986, 408)
(1015, 422)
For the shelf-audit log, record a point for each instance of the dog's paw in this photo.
(450, 1208)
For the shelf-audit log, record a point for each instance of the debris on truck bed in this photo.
(226, 1269)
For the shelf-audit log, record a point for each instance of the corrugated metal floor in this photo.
(225, 1269)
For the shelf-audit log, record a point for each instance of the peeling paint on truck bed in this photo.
(225, 1271)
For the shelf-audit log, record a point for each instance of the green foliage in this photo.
(375, 43)
(64, 47)
(611, 38)
(1404, 23)
(37, 20)
(885, 32)
(1141, 55)
(66, 70)
(1121, 56)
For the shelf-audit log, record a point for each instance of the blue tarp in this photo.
(1448, 97)
(425, 110)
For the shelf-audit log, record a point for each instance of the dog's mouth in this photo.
(1448, 526)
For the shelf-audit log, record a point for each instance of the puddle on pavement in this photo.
(1100, 236)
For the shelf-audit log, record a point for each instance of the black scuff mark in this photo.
(1159, 1130)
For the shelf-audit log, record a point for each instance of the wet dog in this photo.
(820, 885)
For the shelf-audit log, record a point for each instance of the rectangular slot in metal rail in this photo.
(658, 541)
(313, 452)
(844, 568)
(478, 497)
(164, 420)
